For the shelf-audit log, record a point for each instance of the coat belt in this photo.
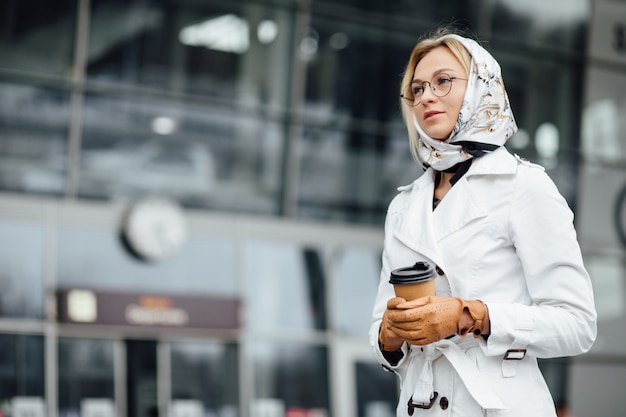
(421, 374)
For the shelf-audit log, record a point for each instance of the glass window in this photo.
(355, 276)
(22, 283)
(96, 258)
(607, 274)
(289, 378)
(33, 136)
(555, 25)
(202, 154)
(603, 127)
(353, 70)
(228, 50)
(86, 375)
(205, 374)
(22, 372)
(37, 35)
(284, 287)
(546, 98)
(352, 176)
(440, 11)
(376, 390)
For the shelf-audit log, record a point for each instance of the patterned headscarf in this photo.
(485, 121)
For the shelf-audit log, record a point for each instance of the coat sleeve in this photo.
(562, 318)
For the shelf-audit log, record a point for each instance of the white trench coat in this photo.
(504, 235)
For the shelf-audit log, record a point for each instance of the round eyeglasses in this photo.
(441, 84)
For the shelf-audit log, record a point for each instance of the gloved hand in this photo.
(429, 319)
(388, 339)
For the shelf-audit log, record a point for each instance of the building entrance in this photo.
(147, 378)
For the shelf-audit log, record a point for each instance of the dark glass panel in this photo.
(206, 373)
(558, 26)
(22, 371)
(38, 35)
(34, 124)
(291, 377)
(86, 372)
(202, 154)
(229, 50)
(347, 177)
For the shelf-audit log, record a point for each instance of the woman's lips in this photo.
(430, 114)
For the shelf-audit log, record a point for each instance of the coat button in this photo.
(439, 270)
(443, 403)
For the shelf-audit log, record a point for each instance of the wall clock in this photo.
(154, 229)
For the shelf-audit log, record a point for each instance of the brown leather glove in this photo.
(429, 319)
(389, 341)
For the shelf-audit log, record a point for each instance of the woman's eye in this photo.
(417, 90)
(443, 80)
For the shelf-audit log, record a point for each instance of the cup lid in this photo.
(419, 272)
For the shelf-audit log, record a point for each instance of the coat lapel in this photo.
(421, 229)
(459, 207)
(415, 228)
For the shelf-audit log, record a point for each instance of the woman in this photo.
(510, 271)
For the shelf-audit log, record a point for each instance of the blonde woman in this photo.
(511, 284)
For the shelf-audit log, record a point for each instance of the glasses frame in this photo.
(411, 101)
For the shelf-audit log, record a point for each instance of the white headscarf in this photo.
(485, 121)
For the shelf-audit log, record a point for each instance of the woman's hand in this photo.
(429, 319)
(389, 341)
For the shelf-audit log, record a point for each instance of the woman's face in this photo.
(438, 115)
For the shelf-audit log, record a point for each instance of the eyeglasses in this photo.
(440, 85)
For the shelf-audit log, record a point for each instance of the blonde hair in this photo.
(424, 46)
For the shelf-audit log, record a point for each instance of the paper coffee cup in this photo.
(414, 281)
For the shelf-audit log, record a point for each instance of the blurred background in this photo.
(192, 195)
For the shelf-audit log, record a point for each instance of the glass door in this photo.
(87, 386)
(148, 378)
(204, 378)
(363, 388)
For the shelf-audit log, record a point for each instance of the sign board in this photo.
(87, 306)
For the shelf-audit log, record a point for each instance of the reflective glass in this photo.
(607, 274)
(351, 176)
(22, 372)
(33, 135)
(355, 276)
(202, 154)
(98, 259)
(284, 287)
(289, 379)
(37, 35)
(353, 70)
(558, 25)
(376, 390)
(546, 97)
(229, 50)
(434, 12)
(22, 283)
(86, 376)
(205, 376)
(595, 388)
(603, 124)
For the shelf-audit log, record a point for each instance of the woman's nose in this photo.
(428, 94)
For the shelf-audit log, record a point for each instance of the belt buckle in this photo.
(424, 406)
(514, 355)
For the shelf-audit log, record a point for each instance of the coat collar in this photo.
(421, 228)
(498, 162)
